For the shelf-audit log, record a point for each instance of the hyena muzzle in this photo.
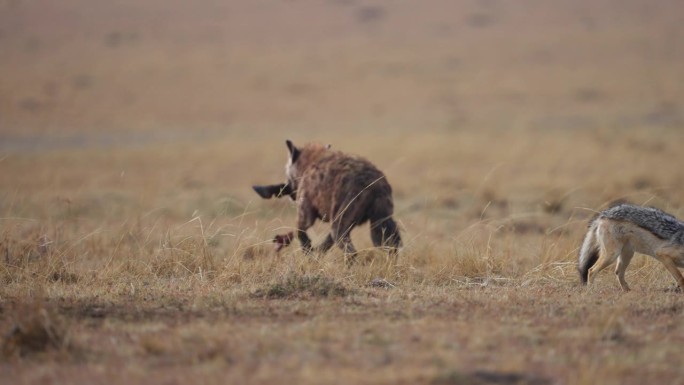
(275, 190)
(344, 190)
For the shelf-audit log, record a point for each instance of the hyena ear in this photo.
(294, 151)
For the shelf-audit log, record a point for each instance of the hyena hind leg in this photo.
(385, 233)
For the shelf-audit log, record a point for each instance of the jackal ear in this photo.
(294, 151)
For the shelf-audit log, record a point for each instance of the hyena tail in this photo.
(385, 233)
(589, 252)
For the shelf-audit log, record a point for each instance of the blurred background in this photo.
(112, 71)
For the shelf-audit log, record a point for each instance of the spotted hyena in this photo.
(344, 190)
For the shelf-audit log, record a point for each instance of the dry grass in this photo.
(483, 292)
(132, 249)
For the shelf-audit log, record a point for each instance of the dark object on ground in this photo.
(282, 241)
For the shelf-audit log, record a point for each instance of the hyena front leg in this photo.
(327, 243)
(306, 217)
(346, 245)
(340, 230)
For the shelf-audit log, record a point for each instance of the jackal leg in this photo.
(604, 261)
(622, 262)
(610, 250)
(670, 256)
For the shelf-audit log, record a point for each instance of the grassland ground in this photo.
(141, 265)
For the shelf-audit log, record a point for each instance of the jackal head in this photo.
(300, 159)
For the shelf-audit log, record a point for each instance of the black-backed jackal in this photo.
(616, 233)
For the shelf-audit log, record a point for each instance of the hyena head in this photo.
(299, 159)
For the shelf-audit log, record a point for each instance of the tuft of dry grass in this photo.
(35, 328)
(297, 286)
(487, 377)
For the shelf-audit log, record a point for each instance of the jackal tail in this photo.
(589, 252)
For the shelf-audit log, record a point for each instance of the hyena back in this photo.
(344, 190)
